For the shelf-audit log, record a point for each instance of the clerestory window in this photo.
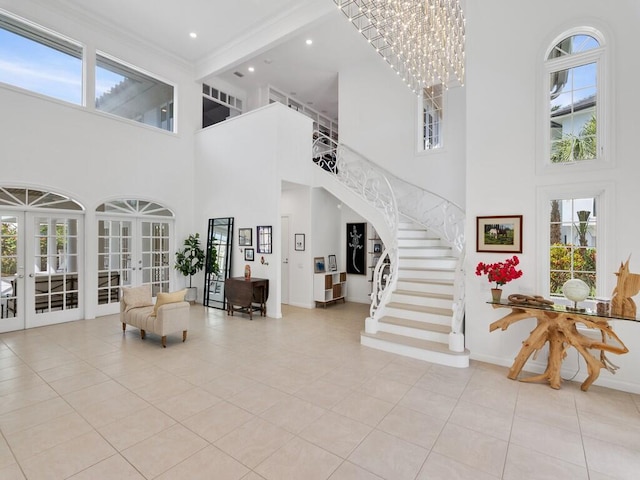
(574, 86)
(40, 61)
(127, 92)
(431, 121)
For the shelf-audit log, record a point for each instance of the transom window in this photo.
(432, 109)
(574, 84)
(40, 61)
(572, 243)
(127, 92)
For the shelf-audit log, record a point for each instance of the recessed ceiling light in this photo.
(309, 41)
(193, 35)
(251, 69)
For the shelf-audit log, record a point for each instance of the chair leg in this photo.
(143, 334)
(184, 335)
(164, 341)
(124, 327)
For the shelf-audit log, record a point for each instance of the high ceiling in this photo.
(287, 62)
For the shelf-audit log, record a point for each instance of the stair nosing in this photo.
(427, 345)
(435, 281)
(447, 312)
(416, 324)
(435, 296)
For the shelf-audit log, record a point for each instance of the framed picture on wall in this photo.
(264, 238)
(356, 248)
(248, 254)
(502, 233)
(245, 237)
(333, 264)
(299, 242)
(318, 265)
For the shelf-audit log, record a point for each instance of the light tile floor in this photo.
(293, 398)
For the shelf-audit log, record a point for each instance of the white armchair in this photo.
(169, 315)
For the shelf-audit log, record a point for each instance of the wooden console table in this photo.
(246, 296)
(557, 325)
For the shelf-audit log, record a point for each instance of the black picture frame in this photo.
(333, 264)
(249, 254)
(298, 242)
(499, 233)
(356, 248)
(245, 237)
(264, 239)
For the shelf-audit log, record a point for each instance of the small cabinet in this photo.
(329, 287)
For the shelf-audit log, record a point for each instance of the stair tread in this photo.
(427, 281)
(422, 247)
(414, 342)
(403, 322)
(419, 308)
(430, 269)
(427, 257)
(413, 293)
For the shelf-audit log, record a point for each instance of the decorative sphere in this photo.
(575, 290)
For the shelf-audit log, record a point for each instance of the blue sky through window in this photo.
(39, 68)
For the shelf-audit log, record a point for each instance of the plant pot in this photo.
(496, 294)
(191, 294)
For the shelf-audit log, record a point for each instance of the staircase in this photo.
(416, 322)
(417, 300)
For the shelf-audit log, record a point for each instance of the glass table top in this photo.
(561, 309)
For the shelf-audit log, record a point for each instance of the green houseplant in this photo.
(189, 261)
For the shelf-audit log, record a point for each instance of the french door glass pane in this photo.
(8, 266)
(56, 264)
(114, 259)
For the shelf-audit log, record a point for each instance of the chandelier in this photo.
(422, 40)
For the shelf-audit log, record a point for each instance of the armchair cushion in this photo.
(134, 297)
(171, 297)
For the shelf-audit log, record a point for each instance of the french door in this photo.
(131, 251)
(41, 269)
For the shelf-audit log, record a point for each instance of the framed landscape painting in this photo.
(502, 234)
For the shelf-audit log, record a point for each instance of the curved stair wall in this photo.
(417, 303)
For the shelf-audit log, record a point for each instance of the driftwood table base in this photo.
(558, 328)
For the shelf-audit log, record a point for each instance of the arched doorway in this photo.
(134, 247)
(41, 258)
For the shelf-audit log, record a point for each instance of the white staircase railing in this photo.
(392, 196)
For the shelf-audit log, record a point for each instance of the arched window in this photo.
(574, 86)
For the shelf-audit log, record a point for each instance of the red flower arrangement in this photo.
(500, 272)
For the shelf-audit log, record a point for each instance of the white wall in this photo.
(240, 166)
(506, 42)
(93, 157)
(296, 204)
(379, 119)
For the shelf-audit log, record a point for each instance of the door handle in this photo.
(31, 275)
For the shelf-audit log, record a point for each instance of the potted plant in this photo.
(500, 273)
(189, 261)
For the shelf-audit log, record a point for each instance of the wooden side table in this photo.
(246, 296)
(557, 326)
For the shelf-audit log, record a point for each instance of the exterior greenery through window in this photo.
(40, 61)
(573, 234)
(432, 109)
(573, 74)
